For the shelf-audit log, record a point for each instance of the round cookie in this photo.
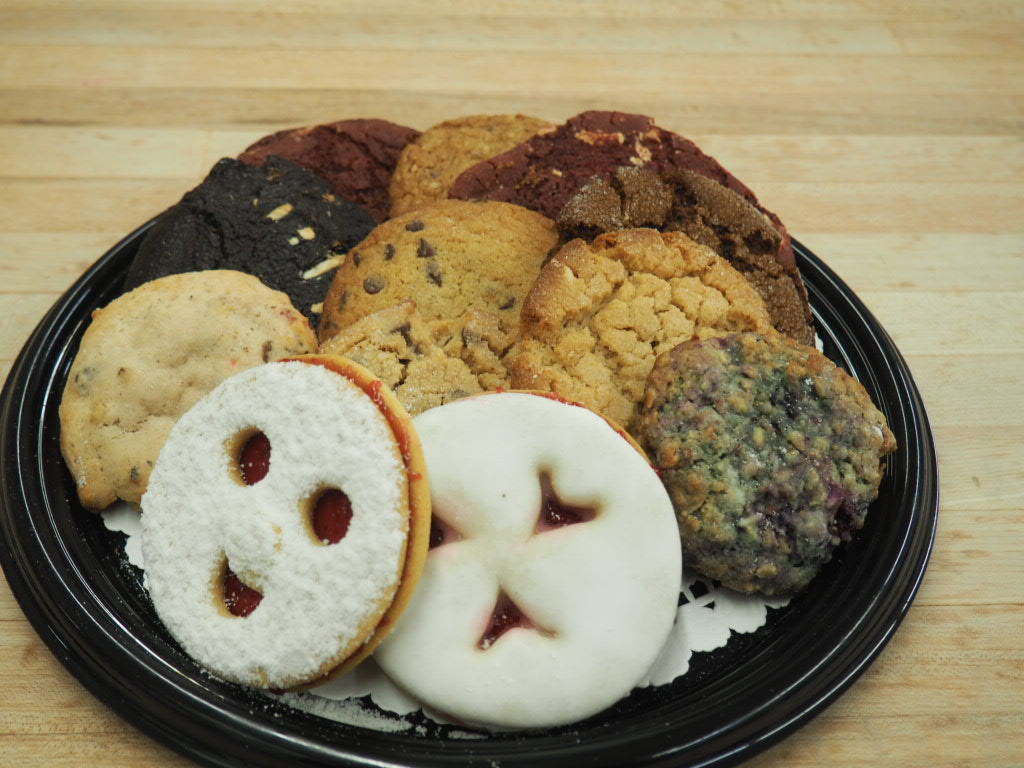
(422, 364)
(149, 355)
(707, 212)
(279, 222)
(600, 313)
(771, 455)
(277, 567)
(543, 172)
(430, 164)
(554, 573)
(356, 157)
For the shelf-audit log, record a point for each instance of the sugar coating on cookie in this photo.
(770, 452)
(320, 599)
(356, 157)
(555, 570)
(430, 164)
(149, 355)
(600, 313)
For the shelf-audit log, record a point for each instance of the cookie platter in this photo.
(72, 580)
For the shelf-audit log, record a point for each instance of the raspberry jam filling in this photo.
(554, 513)
(254, 459)
(239, 598)
(442, 533)
(506, 615)
(332, 514)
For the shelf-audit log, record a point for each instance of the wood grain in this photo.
(886, 134)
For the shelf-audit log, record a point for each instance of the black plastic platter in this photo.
(70, 576)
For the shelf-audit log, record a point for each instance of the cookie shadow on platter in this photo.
(70, 575)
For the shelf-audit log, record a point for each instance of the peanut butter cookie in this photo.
(600, 313)
(430, 164)
(149, 355)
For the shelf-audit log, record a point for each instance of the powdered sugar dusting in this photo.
(317, 599)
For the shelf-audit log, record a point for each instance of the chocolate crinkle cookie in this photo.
(278, 222)
(770, 453)
(710, 214)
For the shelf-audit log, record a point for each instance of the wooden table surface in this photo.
(887, 135)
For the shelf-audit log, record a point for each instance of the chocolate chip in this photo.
(374, 284)
(415, 226)
(508, 303)
(342, 299)
(426, 250)
(134, 474)
(357, 258)
(389, 252)
(267, 346)
(433, 272)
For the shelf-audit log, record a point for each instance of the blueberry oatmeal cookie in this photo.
(600, 313)
(278, 222)
(151, 354)
(771, 455)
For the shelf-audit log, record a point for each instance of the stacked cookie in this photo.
(606, 262)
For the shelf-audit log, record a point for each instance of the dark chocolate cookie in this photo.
(280, 223)
(706, 211)
(357, 157)
(545, 171)
(770, 454)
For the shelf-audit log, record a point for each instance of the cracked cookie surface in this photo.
(151, 354)
(600, 313)
(771, 455)
(430, 164)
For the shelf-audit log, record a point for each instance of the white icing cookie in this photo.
(556, 530)
(317, 578)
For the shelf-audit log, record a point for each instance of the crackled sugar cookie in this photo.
(149, 355)
(356, 157)
(286, 522)
(600, 313)
(554, 570)
(771, 455)
(430, 164)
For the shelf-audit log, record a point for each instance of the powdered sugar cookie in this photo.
(275, 533)
(554, 571)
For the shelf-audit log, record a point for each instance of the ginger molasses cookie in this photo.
(545, 171)
(600, 313)
(430, 164)
(356, 157)
(770, 452)
(149, 355)
(706, 211)
(467, 265)
(278, 222)
(286, 522)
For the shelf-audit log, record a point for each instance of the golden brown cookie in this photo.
(600, 313)
(149, 355)
(429, 165)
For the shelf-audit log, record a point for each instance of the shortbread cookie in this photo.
(707, 212)
(430, 164)
(546, 170)
(275, 566)
(553, 578)
(600, 313)
(280, 223)
(149, 355)
(421, 363)
(356, 157)
(771, 455)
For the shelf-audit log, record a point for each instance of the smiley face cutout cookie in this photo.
(283, 539)
(149, 355)
(600, 313)
(554, 573)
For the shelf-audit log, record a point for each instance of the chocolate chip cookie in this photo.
(149, 355)
(707, 212)
(770, 453)
(356, 157)
(600, 313)
(430, 164)
(279, 222)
